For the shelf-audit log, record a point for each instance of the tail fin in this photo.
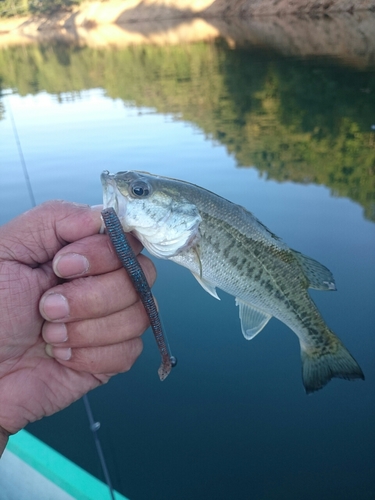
(321, 363)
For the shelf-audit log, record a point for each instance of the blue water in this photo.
(232, 420)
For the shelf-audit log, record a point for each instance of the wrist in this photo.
(4, 436)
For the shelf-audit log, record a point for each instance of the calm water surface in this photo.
(290, 140)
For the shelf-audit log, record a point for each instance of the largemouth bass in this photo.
(225, 246)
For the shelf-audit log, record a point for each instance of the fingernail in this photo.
(70, 265)
(54, 333)
(61, 353)
(97, 208)
(55, 306)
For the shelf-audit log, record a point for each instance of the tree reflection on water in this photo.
(293, 119)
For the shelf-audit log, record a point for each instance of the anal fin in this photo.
(253, 320)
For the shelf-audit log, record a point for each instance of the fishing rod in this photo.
(94, 425)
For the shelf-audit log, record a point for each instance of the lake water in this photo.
(293, 141)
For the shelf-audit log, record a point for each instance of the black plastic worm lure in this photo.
(138, 278)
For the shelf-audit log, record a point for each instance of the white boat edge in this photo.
(30, 468)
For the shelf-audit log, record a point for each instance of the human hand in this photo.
(69, 315)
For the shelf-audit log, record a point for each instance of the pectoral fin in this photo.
(206, 285)
(318, 276)
(253, 320)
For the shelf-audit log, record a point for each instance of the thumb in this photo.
(34, 237)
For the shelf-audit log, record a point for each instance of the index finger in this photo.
(90, 256)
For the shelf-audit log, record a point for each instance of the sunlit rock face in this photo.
(182, 21)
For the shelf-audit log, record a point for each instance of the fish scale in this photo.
(227, 274)
(225, 246)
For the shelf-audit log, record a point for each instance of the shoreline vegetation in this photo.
(129, 21)
(343, 29)
(288, 125)
(135, 10)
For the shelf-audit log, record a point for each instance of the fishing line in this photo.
(20, 153)
(94, 426)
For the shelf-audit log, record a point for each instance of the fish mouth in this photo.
(111, 194)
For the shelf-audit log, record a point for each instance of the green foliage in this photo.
(48, 7)
(9, 8)
(293, 120)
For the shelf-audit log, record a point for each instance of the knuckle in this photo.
(114, 359)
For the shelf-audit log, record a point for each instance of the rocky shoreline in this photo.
(338, 28)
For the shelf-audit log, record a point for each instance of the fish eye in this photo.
(140, 189)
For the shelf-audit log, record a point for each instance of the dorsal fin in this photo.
(317, 275)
